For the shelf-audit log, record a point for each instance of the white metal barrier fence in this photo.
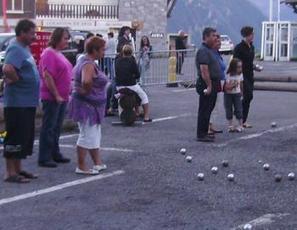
(166, 67)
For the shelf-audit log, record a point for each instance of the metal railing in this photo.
(77, 11)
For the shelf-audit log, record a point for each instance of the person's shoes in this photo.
(205, 139)
(148, 120)
(48, 164)
(216, 130)
(86, 172)
(212, 136)
(239, 129)
(62, 160)
(247, 126)
(231, 129)
(100, 168)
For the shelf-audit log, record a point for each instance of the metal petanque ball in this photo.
(189, 159)
(247, 227)
(277, 178)
(230, 177)
(266, 167)
(200, 176)
(214, 170)
(291, 176)
(183, 151)
(225, 163)
(273, 124)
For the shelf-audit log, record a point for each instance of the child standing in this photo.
(233, 93)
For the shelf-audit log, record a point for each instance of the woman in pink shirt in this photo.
(55, 72)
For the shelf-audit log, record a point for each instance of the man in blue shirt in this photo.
(209, 75)
(21, 96)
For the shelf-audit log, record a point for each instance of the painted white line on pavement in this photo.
(183, 90)
(255, 135)
(263, 220)
(59, 187)
(104, 149)
(170, 118)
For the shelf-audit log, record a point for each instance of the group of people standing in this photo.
(236, 82)
(51, 82)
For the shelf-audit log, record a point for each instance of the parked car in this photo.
(227, 45)
(5, 39)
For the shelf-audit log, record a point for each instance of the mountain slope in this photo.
(228, 16)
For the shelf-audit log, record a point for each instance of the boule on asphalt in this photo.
(225, 163)
(291, 176)
(189, 159)
(260, 162)
(273, 124)
(266, 167)
(247, 227)
(277, 178)
(183, 151)
(214, 170)
(230, 177)
(200, 176)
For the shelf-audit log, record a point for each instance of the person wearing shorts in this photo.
(127, 73)
(87, 105)
(21, 96)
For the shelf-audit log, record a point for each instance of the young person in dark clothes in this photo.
(180, 44)
(124, 38)
(245, 51)
(127, 73)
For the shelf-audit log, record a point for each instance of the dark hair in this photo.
(94, 43)
(246, 31)
(122, 30)
(110, 34)
(207, 31)
(99, 35)
(232, 69)
(90, 35)
(142, 43)
(24, 26)
(57, 36)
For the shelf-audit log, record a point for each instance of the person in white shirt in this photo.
(233, 93)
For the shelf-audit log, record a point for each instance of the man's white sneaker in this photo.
(87, 172)
(99, 168)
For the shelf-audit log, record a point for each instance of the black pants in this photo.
(206, 106)
(180, 58)
(248, 88)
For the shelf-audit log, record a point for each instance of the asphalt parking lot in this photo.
(150, 186)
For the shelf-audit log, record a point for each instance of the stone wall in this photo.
(153, 15)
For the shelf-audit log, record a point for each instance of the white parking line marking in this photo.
(59, 187)
(183, 90)
(170, 117)
(263, 220)
(255, 135)
(104, 149)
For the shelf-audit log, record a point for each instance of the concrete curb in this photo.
(276, 86)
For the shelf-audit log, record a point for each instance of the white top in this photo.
(111, 46)
(237, 79)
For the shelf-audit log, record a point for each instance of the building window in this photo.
(15, 6)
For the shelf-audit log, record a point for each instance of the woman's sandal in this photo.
(28, 175)
(17, 179)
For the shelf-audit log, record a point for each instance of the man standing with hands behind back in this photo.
(209, 73)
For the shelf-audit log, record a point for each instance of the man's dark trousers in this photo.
(248, 88)
(206, 106)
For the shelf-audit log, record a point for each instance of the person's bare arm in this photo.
(10, 74)
(50, 83)
(206, 77)
(88, 72)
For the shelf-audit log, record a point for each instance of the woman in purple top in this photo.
(87, 105)
(56, 72)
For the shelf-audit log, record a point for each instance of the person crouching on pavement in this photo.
(127, 73)
(87, 105)
(233, 94)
